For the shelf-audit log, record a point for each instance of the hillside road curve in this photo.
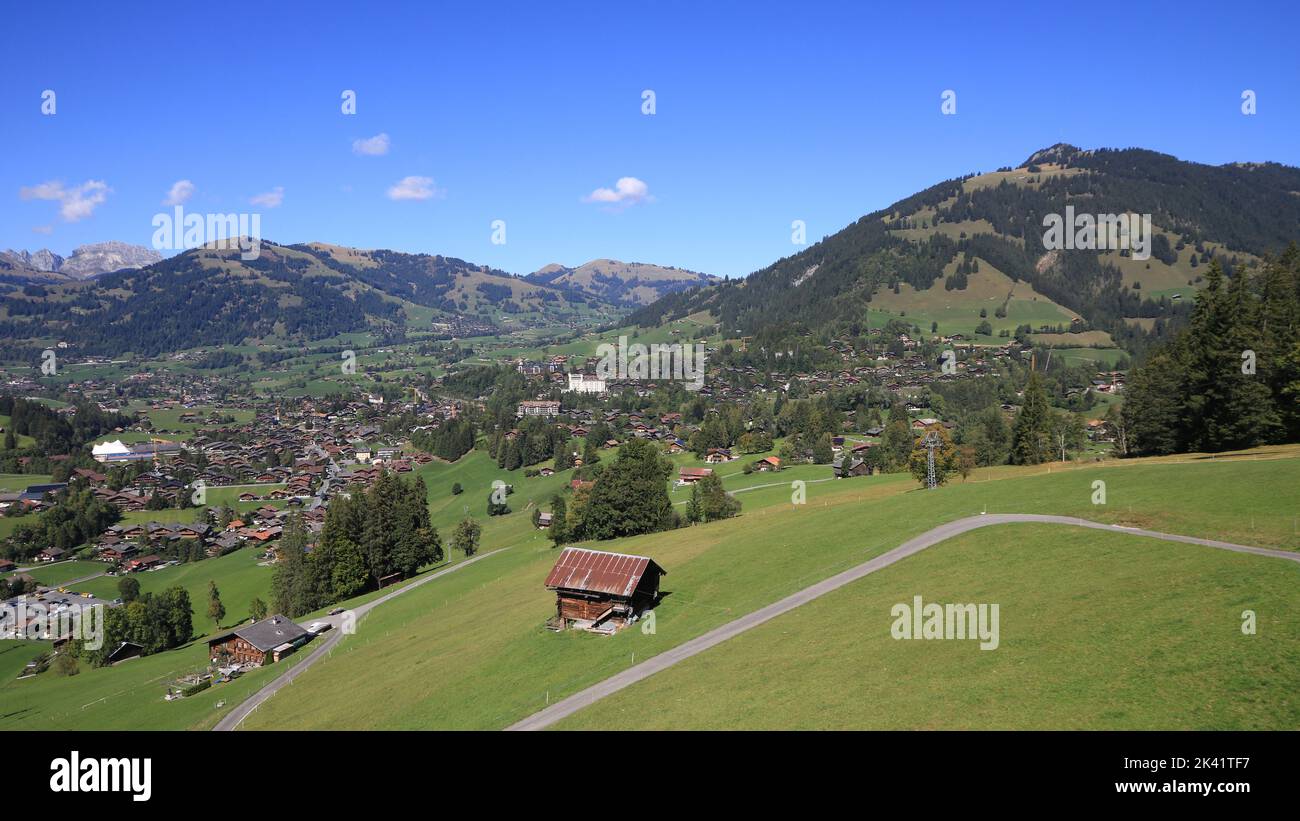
(583, 698)
(237, 715)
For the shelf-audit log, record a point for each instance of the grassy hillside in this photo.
(472, 651)
(621, 283)
(1097, 631)
(958, 311)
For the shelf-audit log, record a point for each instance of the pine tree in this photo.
(714, 501)
(559, 529)
(216, 610)
(1029, 441)
(694, 511)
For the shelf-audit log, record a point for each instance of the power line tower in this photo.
(931, 442)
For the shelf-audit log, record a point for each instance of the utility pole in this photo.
(931, 442)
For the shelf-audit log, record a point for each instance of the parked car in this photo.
(336, 611)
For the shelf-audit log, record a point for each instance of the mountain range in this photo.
(621, 283)
(987, 230)
(86, 261)
(969, 247)
(288, 294)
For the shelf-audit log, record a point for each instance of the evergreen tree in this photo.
(216, 610)
(714, 501)
(694, 509)
(824, 450)
(559, 529)
(631, 495)
(1029, 435)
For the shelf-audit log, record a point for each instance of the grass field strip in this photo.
(937, 535)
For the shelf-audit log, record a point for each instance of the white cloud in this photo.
(43, 229)
(180, 193)
(375, 146)
(271, 199)
(414, 188)
(627, 191)
(75, 204)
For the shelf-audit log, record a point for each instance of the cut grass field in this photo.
(472, 652)
(1096, 631)
(238, 575)
(54, 575)
(10, 482)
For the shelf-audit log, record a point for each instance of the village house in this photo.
(689, 476)
(602, 592)
(143, 563)
(260, 643)
(768, 463)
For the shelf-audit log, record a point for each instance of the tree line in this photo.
(366, 539)
(1231, 378)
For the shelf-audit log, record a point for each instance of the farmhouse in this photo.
(263, 642)
(692, 475)
(602, 592)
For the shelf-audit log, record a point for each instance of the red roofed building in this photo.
(143, 563)
(692, 475)
(600, 591)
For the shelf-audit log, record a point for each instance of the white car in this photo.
(318, 627)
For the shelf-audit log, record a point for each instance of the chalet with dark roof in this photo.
(260, 643)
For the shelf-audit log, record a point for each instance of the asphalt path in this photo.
(584, 698)
(332, 637)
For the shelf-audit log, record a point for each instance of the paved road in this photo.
(668, 658)
(333, 637)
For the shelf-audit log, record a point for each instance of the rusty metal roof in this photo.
(593, 571)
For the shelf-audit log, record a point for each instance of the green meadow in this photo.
(1095, 631)
(55, 575)
(471, 651)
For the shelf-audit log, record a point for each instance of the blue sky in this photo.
(765, 113)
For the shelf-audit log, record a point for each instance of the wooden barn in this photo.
(602, 592)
